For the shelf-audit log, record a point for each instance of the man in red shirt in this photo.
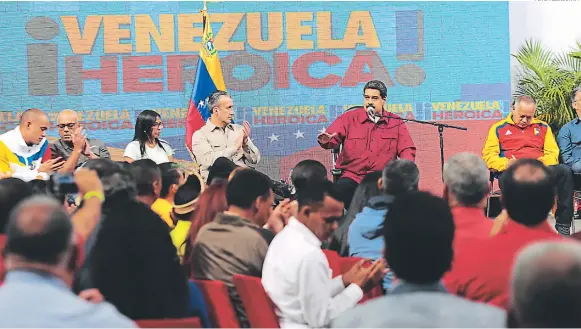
(481, 271)
(466, 189)
(371, 137)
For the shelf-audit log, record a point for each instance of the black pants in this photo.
(565, 183)
(347, 187)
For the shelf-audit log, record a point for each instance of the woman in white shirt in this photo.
(146, 143)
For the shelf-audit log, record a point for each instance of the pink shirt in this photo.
(369, 146)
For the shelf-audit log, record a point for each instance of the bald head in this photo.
(67, 123)
(528, 191)
(39, 231)
(33, 126)
(546, 285)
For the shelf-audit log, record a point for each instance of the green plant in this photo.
(549, 78)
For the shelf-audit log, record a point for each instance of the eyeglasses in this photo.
(68, 125)
(158, 125)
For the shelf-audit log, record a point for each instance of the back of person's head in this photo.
(38, 186)
(320, 208)
(12, 191)
(368, 188)
(147, 177)
(466, 178)
(306, 171)
(546, 281)
(39, 232)
(400, 176)
(247, 188)
(418, 233)
(528, 191)
(134, 265)
(171, 178)
(115, 177)
(220, 170)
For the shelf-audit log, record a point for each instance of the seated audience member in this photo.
(481, 270)
(364, 236)
(135, 266)
(73, 146)
(12, 191)
(147, 177)
(418, 249)
(146, 143)
(235, 242)
(522, 136)
(466, 190)
(24, 150)
(185, 202)
(172, 177)
(296, 273)
(569, 138)
(219, 137)
(210, 203)
(220, 170)
(306, 171)
(40, 260)
(545, 286)
(368, 188)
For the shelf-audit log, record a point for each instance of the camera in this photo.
(62, 184)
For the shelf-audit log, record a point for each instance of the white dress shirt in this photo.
(297, 277)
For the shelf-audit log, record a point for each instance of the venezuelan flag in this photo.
(209, 78)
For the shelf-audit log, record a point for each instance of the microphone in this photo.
(371, 110)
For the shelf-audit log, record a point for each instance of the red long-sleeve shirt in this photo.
(369, 146)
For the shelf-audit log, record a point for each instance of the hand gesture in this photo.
(79, 140)
(246, 130)
(87, 180)
(51, 165)
(357, 274)
(377, 272)
(325, 138)
(240, 140)
(511, 161)
(280, 216)
(92, 296)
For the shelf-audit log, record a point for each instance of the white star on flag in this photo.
(201, 103)
(299, 134)
(322, 130)
(273, 138)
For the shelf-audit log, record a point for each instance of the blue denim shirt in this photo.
(39, 300)
(569, 141)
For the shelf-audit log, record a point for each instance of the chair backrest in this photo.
(258, 305)
(220, 309)
(170, 323)
(345, 264)
(334, 261)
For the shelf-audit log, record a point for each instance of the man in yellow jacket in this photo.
(520, 136)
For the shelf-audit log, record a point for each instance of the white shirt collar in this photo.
(297, 226)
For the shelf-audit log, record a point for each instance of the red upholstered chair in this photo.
(220, 309)
(258, 305)
(346, 264)
(170, 323)
(334, 261)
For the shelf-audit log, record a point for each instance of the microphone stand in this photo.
(440, 126)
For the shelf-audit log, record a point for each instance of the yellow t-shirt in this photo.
(163, 208)
(179, 234)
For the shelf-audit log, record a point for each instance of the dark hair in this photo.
(38, 186)
(529, 200)
(12, 191)
(307, 170)
(246, 186)
(419, 232)
(41, 246)
(220, 170)
(377, 85)
(143, 126)
(400, 176)
(574, 93)
(170, 175)
(116, 177)
(367, 188)
(214, 97)
(144, 173)
(314, 192)
(135, 265)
